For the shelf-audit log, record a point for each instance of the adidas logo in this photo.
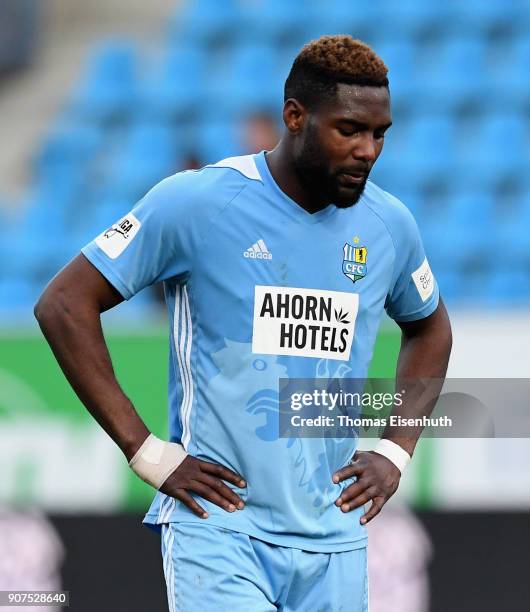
(258, 250)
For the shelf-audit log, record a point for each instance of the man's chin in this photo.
(344, 198)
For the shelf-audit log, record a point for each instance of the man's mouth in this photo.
(353, 178)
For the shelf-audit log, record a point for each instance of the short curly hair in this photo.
(329, 60)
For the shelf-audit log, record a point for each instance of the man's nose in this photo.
(365, 148)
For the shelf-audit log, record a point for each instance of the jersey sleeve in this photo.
(154, 242)
(414, 292)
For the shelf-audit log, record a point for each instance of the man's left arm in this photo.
(424, 355)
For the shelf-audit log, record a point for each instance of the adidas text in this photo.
(253, 255)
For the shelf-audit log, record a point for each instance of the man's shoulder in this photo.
(240, 167)
(383, 202)
(205, 191)
(390, 209)
(212, 184)
(230, 172)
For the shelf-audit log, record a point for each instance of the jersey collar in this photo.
(298, 211)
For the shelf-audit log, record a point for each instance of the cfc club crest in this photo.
(354, 262)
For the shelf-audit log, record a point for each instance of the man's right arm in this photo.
(68, 313)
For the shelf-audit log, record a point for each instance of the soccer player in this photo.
(277, 264)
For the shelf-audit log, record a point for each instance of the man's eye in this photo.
(346, 132)
(379, 135)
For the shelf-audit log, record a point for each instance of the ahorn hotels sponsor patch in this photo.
(304, 322)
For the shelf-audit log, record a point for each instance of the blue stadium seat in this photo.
(451, 73)
(54, 212)
(433, 237)
(472, 211)
(431, 136)
(421, 150)
(399, 55)
(45, 209)
(149, 153)
(109, 87)
(106, 211)
(67, 147)
(205, 22)
(37, 260)
(284, 61)
(454, 249)
(248, 82)
(507, 84)
(343, 17)
(178, 85)
(513, 251)
(274, 21)
(482, 16)
(103, 213)
(216, 140)
(522, 19)
(494, 148)
(407, 18)
(395, 138)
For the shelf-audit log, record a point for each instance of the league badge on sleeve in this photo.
(117, 238)
(354, 262)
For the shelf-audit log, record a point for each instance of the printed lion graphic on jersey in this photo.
(261, 401)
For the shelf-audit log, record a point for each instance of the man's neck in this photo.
(279, 162)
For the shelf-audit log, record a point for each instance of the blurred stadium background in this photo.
(98, 101)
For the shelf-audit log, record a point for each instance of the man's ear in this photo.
(294, 115)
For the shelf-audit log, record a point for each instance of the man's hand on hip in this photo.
(205, 479)
(377, 480)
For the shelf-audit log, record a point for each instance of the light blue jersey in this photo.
(258, 289)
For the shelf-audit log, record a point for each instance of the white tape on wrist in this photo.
(393, 452)
(156, 459)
